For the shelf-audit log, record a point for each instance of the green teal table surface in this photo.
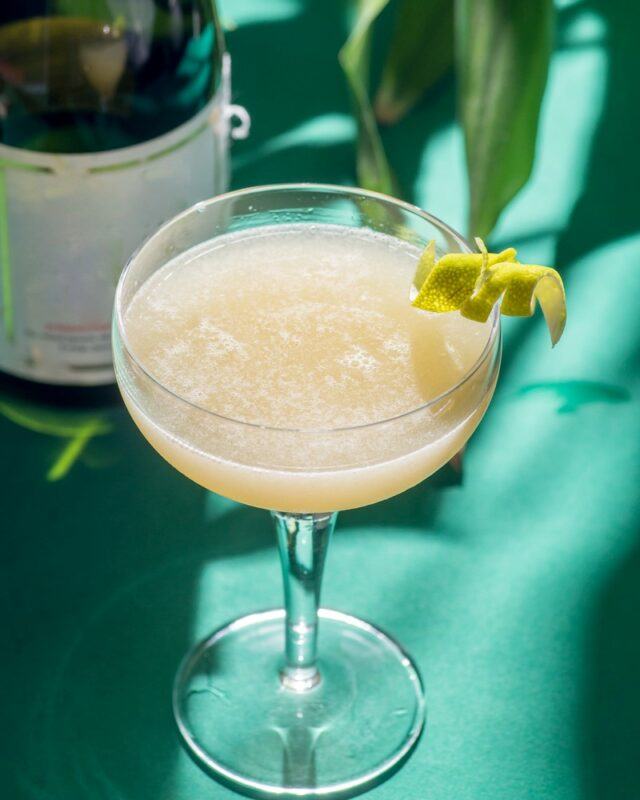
(516, 587)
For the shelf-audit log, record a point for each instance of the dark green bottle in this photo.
(113, 118)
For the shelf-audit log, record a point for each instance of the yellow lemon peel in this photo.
(444, 285)
(474, 282)
(425, 265)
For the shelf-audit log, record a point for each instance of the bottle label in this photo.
(68, 225)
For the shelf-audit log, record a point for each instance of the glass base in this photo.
(348, 732)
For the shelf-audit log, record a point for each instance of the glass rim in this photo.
(350, 191)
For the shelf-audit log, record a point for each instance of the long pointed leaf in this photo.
(503, 49)
(372, 167)
(421, 51)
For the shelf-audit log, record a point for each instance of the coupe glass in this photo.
(257, 705)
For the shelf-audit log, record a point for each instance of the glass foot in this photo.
(240, 722)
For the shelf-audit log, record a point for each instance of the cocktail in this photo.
(266, 346)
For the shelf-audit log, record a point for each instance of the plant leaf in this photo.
(503, 48)
(420, 53)
(372, 167)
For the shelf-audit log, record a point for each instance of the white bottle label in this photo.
(68, 225)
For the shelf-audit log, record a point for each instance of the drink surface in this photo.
(298, 327)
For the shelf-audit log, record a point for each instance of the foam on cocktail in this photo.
(301, 327)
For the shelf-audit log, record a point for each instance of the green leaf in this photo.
(503, 49)
(372, 167)
(420, 53)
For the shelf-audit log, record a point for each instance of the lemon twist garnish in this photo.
(474, 282)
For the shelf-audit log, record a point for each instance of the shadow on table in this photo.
(97, 720)
(286, 72)
(109, 572)
(100, 597)
(607, 209)
(612, 708)
(103, 575)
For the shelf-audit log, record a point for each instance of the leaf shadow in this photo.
(614, 160)
(610, 725)
(603, 212)
(573, 394)
(286, 72)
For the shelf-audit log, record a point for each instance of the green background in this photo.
(516, 588)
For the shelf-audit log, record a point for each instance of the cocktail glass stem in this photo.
(303, 540)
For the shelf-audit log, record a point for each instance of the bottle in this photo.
(114, 116)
